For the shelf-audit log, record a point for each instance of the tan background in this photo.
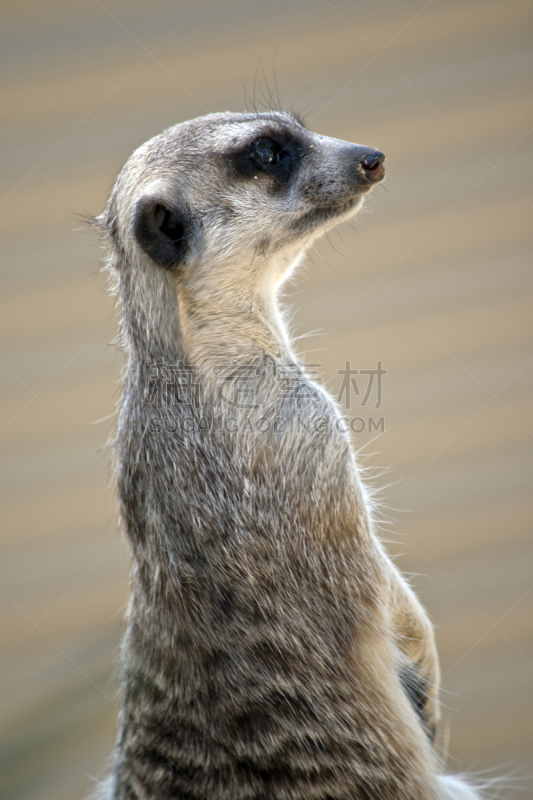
(435, 283)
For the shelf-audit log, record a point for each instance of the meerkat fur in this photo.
(272, 649)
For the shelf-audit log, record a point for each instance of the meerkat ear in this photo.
(162, 232)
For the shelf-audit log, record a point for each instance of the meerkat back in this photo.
(272, 650)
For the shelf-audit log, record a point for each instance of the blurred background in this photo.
(433, 280)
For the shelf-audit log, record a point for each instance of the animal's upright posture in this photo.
(273, 652)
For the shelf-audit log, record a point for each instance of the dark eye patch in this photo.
(276, 156)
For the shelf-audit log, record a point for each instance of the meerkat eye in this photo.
(266, 153)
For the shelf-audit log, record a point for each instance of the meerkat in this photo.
(272, 651)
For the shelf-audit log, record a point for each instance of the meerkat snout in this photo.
(373, 165)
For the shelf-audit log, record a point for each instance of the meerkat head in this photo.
(233, 199)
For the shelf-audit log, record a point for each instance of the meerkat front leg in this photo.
(415, 639)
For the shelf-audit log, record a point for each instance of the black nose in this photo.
(372, 163)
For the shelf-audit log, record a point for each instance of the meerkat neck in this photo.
(150, 320)
(223, 323)
(216, 330)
